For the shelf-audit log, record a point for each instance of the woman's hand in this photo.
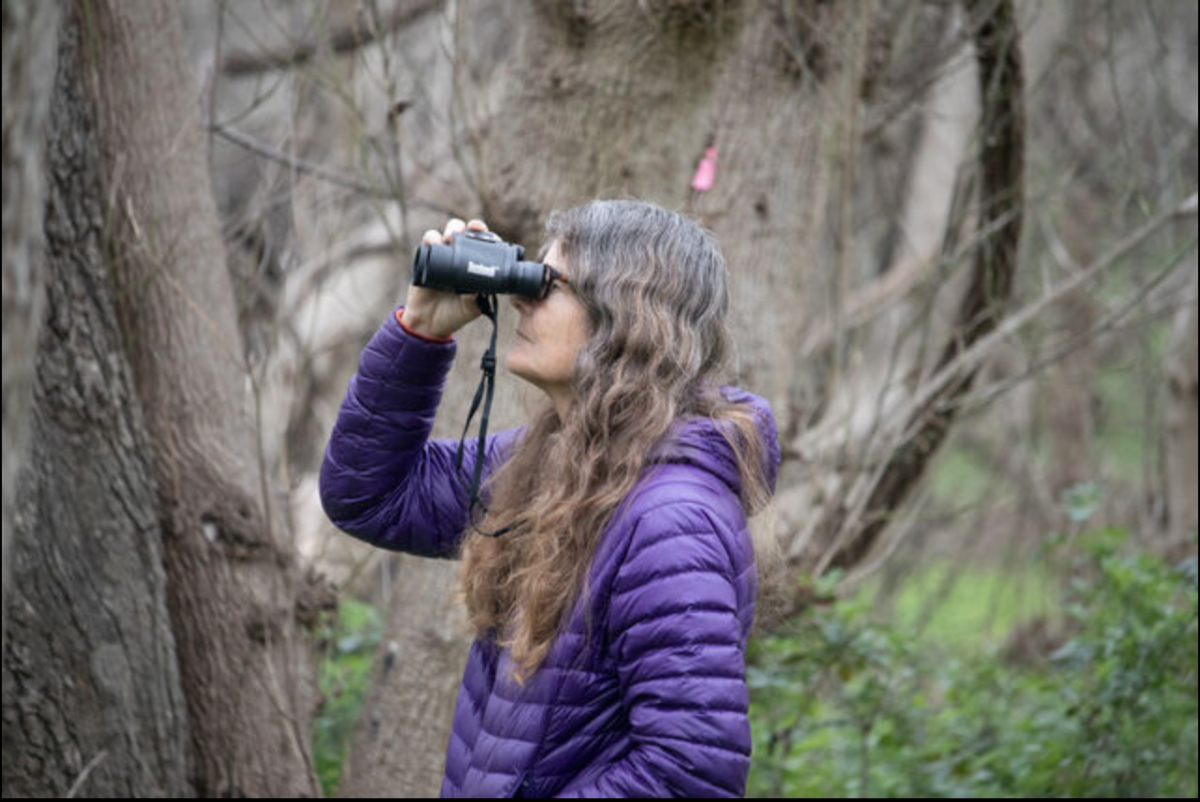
(440, 313)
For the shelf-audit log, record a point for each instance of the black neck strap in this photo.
(488, 304)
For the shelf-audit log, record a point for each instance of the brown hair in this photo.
(653, 283)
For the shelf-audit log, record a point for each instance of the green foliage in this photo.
(959, 479)
(349, 640)
(965, 611)
(842, 705)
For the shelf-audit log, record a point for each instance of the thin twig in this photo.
(976, 353)
(83, 775)
(983, 396)
(253, 145)
(343, 40)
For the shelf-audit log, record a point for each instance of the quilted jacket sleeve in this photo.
(382, 479)
(677, 644)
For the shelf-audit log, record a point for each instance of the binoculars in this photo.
(481, 262)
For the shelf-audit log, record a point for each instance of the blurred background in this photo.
(961, 241)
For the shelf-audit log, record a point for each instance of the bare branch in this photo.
(1001, 155)
(343, 40)
(968, 361)
(328, 174)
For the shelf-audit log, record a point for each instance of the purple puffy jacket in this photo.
(658, 705)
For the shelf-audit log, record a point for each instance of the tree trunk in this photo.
(92, 696)
(625, 103)
(1066, 406)
(30, 31)
(235, 592)
(870, 480)
(1069, 401)
(235, 599)
(1182, 427)
(399, 745)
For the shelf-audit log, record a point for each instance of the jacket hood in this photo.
(698, 441)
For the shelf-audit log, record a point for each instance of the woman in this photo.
(611, 623)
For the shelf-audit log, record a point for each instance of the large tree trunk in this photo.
(624, 102)
(235, 592)
(92, 696)
(157, 461)
(30, 31)
(399, 745)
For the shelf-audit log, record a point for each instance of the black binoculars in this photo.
(481, 262)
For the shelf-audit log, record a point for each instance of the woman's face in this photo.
(549, 335)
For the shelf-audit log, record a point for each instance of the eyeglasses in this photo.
(556, 277)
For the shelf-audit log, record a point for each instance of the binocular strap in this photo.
(488, 304)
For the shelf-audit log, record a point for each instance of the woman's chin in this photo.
(514, 361)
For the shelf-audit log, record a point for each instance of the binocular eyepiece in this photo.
(481, 262)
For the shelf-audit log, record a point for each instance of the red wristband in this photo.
(425, 337)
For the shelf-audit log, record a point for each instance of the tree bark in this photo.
(1069, 402)
(92, 696)
(235, 595)
(30, 32)
(399, 745)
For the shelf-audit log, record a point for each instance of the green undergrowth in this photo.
(1075, 678)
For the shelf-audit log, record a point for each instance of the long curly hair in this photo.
(653, 283)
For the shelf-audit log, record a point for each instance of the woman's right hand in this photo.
(440, 313)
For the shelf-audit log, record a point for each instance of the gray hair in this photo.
(653, 282)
